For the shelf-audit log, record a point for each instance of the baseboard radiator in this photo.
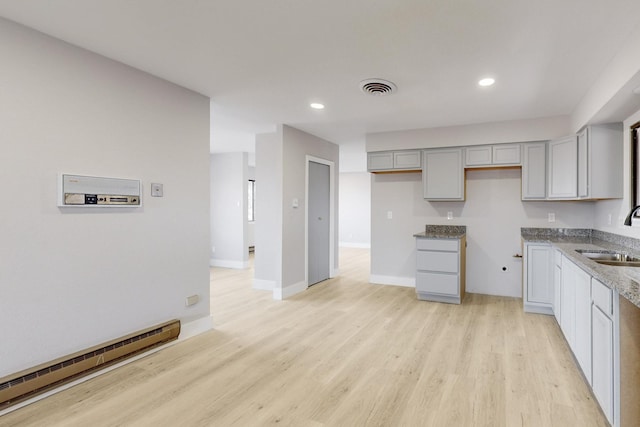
(28, 383)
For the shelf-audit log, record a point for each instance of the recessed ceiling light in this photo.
(486, 82)
(316, 105)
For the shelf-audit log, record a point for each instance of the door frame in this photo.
(332, 270)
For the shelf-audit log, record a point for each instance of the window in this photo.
(252, 200)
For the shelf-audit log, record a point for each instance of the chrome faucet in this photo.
(627, 220)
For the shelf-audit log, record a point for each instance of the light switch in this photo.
(156, 190)
(389, 215)
(294, 203)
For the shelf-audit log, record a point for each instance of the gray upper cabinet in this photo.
(587, 165)
(534, 172)
(562, 167)
(600, 162)
(387, 161)
(492, 155)
(443, 174)
(477, 156)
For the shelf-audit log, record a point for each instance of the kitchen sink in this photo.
(610, 258)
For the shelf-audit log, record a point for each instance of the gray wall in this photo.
(297, 145)
(484, 133)
(251, 226)
(229, 228)
(355, 209)
(280, 228)
(493, 211)
(71, 278)
(268, 230)
(619, 209)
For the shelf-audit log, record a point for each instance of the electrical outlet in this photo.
(552, 217)
(192, 300)
(449, 215)
(609, 220)
(213, 249)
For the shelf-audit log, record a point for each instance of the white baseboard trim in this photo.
(289, 291)
(354, 245)
(187, 330)
(224, 263)
(335, 272)
(409, 282)
(195, 327)
(264, 285)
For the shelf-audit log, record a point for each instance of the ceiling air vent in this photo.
(377, 87)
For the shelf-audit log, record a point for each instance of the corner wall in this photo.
(619, 208)
(280, 229)
(355, 210)
(229, 198)
(71, 278)
(298, 145)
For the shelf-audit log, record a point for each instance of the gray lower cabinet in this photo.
(602, 352)
(538, 288)
(588, 321)
(440, 269)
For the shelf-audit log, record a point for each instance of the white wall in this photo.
(478, 134)
(355, 209)
(229, 225)
(71, 278)
(619, 208)
(353, 157)
(268, 230)
(599, 101)
(492, 212)
(251, 226)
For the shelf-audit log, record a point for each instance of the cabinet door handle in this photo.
(517, 256)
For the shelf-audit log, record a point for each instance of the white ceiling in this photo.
(262, 62)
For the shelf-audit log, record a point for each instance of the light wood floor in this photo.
(343, 353)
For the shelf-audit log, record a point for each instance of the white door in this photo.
(318, 222)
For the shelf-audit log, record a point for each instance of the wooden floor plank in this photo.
(344, 352)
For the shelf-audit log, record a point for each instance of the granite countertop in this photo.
(443, 232)
(625, 280)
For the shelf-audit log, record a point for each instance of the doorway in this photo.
(319, 219)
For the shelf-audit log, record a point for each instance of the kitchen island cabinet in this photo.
(440, 264)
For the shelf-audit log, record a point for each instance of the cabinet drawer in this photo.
(601, 296)
(439, 283)
(437, 261)
(437, 244)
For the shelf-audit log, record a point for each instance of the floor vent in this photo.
(26, 384)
